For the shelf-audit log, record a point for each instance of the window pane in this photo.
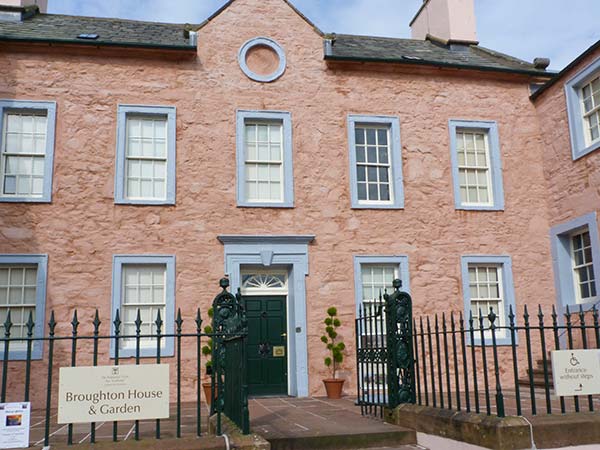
(359, 136)
(385, 192)
(362, 191)
(361, 172)
(383, 174)
(372, 155)
(360, 154)
(372, 174)
(371, 136)
(373, 192)
(10, 185)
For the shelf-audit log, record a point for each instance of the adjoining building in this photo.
(141, 161)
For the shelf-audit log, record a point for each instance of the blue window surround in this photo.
(562, 260)
(40, 303)
(508, 287)
(123, 112)
(262, 42)
(395, 154)
(288, 171)
(50, 108)
(575, 112)
(491, 128)
(167, 348)
(400, 260)
(284, 251)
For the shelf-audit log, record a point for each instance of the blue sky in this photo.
(558, 29)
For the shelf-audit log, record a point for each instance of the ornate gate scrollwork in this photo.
(401, 369)
(229, 385)
(229, 314)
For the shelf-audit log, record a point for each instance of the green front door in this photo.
(267, 345)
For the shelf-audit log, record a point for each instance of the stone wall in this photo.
(82, 229)
(573, 186)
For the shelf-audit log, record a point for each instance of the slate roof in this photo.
(425, 52)
(113, 32)
(57, 28)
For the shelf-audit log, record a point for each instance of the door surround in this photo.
(289, 251)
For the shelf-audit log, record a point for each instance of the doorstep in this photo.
(320, 423)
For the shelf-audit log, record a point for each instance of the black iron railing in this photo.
(23, 380)
(481, 365)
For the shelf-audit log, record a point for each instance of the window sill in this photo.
(25, 200)
(145, 202)
(145, 353)
(376, 206)
(265, 205)
(500, 342)
(580, 153)
(21, 355)
(478, 208)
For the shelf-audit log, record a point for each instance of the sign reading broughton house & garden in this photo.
(113, 393)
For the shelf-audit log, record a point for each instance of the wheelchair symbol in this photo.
(574, 361)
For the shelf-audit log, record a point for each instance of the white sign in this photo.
(113, 393)
(14, 425)
(576, 372)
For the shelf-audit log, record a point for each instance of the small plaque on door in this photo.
(279, 352)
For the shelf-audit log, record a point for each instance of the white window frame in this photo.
(400, 262)
(576, 282)
(48, 108)
(18, 351)
(167, 343)
(506, 288)
(244, 117)
(580, 142)
(585, 115)
(495, 184)
(395, 176)
(125, 111)
(487, 168)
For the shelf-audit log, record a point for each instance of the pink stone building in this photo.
(142, 161)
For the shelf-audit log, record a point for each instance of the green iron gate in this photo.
(384, 352)
(229, 378)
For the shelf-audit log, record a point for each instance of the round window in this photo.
(262, 59)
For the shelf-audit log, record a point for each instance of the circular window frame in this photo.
(265, 42)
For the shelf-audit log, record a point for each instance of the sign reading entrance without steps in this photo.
(113, 393)
(576, 372)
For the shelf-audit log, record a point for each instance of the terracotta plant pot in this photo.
(206, 389)
(334, 386)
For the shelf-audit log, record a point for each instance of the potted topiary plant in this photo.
(335, 347)
(207, 350)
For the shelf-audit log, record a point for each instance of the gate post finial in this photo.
(224, 283)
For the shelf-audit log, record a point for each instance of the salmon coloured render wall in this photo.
(573, 183)
(82, 228)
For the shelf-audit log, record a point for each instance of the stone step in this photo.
(399, 438)
(537, 382)
(539, 372)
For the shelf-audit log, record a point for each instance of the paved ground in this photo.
(291, 423)
(313, 420)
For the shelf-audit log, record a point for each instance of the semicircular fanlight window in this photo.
(263, 281)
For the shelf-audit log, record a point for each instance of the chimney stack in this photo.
(41, 4)
(451, 21)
